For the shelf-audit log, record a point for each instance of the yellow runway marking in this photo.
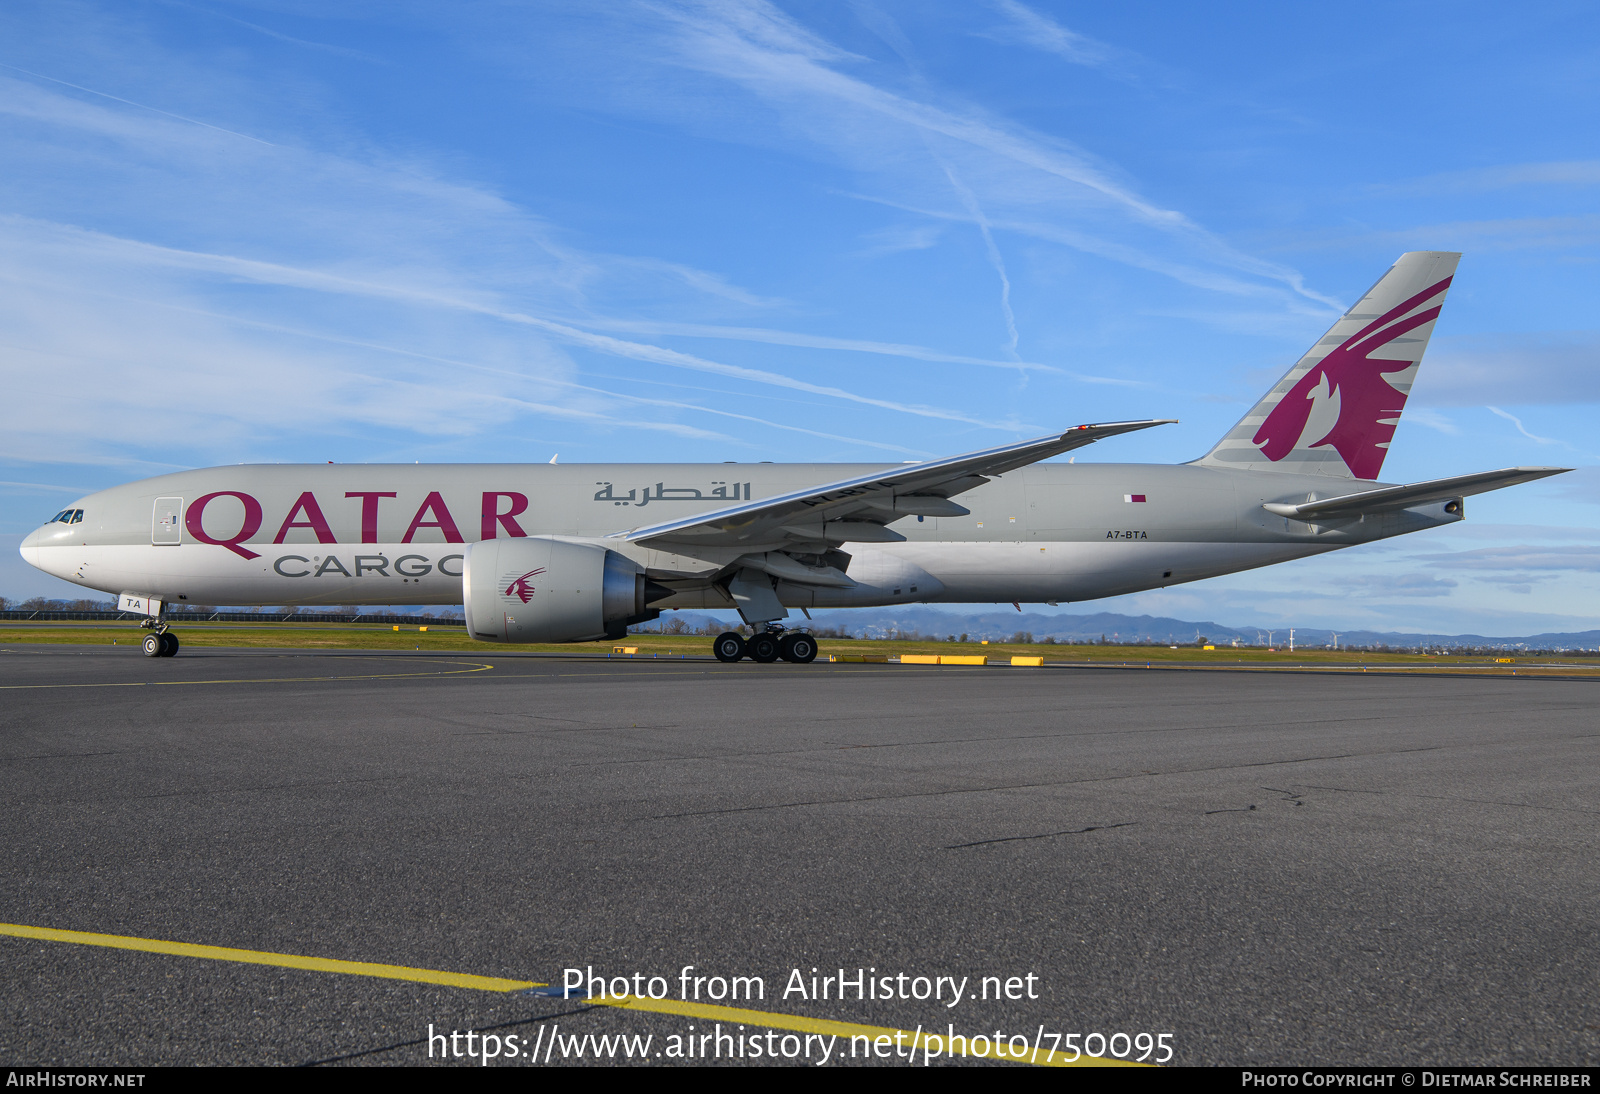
(475, 667)
(921, 1042)
(259, 957)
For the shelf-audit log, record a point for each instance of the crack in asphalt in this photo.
(1044, 835)
(1040, 785)
(1453, 798)
(423, 1040)
(1288, 795)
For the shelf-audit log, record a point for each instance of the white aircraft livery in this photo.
(553, 553)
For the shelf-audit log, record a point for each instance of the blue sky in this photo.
(238, 232)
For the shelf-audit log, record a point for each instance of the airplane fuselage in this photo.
(397, 534)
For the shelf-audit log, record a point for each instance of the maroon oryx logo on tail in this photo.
(520, 587)
(1368, 406)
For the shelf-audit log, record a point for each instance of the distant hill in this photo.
(1115, 628)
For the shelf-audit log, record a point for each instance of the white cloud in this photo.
(899, 238)
(1577, 558)
(905, 140)
(1501, 177)
(1582, 484)
(1028, 27)
(1516, 421)
(1471, 530)
(1512, 368)
(817, 341)
(1560, 233)
(478, 304)
(1432, 419)
(316, 264)
(1384, 585)
(975, 211)
(45, 487)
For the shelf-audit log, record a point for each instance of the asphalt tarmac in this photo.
(1271, 869)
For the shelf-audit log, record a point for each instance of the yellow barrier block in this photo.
(1208, 647)
(397, 626)
(859, 658)
(420, 629)
(919, 659)
(978, 660)
(1028, 662)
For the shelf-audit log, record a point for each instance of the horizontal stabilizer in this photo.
(1389, 498)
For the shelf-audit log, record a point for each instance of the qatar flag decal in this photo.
(1133, 497)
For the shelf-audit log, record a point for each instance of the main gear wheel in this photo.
(729, 647)
(762, 648)
(799, 648)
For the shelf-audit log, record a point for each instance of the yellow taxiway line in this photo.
(259, 957)
(910, 1041)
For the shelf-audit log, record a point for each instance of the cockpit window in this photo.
(77, 515)
(67, 516)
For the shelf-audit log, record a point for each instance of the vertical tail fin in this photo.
(1336, 410)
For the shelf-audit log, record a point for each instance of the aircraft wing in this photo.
(1389, 498)
(859, 509)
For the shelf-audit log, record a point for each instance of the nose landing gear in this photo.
(160, 642)
(768, 646)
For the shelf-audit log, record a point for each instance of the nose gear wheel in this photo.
(160, 644)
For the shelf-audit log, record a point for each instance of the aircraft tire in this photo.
(729, 647)
(762, 648)
(169, 644)
(799, 648)
(153, 646)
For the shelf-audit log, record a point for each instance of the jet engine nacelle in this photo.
(542, 589)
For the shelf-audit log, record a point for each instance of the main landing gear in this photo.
(767, 646)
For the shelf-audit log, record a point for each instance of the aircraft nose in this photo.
(30, 546)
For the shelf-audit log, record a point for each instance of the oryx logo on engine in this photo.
(520, 587)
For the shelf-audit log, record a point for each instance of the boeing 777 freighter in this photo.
(546, 553)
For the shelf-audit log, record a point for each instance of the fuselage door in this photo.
(164, 527)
